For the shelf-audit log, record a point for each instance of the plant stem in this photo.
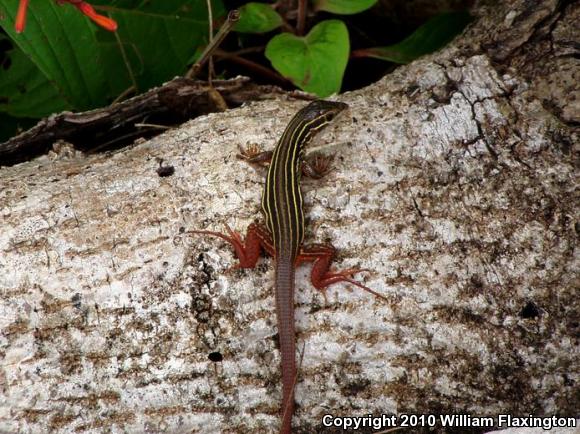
(301, 20)
(210, 70)
(253, 66)
(233, 17)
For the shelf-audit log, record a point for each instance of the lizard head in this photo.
(319, 113)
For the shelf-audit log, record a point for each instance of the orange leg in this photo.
(316, 167)
(321, 276)
(248, 250)
(257, 237)
(252, 154)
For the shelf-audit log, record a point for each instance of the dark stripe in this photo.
(282, 199)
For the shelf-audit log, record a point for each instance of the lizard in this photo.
(282, 236)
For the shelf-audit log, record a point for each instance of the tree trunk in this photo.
(455, 182)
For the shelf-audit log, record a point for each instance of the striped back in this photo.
(282, 199)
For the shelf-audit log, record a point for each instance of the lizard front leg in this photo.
(315, 166)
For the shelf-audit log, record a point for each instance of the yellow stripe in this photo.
(283, 181)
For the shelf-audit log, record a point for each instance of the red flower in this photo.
(21, 16)
(85, 8)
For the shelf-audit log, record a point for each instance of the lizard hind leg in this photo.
(322, 276)
(247, 251)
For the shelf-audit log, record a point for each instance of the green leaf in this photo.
(89, 66)
(257, 18)
(316, 62)
(343, 7)
(431, 36)
(63, 46)
(158, 38)
(24, 90)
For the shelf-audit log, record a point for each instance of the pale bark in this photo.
(454, 182)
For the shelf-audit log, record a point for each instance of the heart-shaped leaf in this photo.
(315, 63)
(257, 18)
(343, 7)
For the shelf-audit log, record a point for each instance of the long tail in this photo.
(287, 335)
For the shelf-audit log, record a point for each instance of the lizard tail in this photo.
(287, 336)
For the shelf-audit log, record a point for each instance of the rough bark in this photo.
(455, 181)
